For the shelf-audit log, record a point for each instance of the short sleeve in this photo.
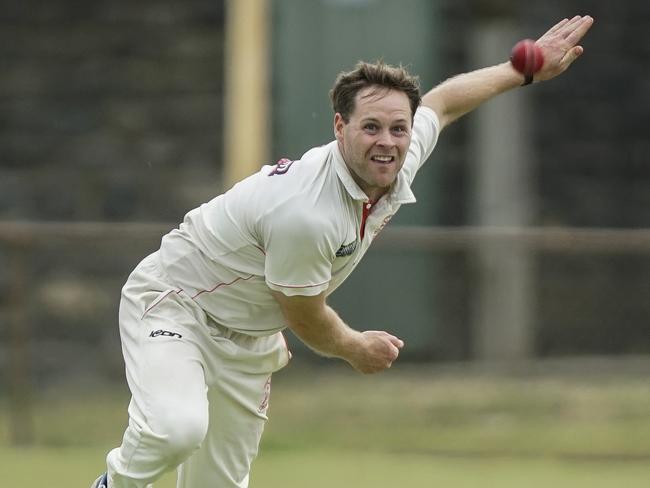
(426, 128)
(299, 254)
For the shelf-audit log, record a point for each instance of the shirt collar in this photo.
(400, 193)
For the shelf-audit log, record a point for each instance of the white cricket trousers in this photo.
(200, 392)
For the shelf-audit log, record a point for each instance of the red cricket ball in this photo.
(527, 57)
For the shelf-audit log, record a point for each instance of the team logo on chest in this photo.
(347, 249)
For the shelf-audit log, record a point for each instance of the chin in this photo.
(386, 182)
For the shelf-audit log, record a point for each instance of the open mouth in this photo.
(382, 159)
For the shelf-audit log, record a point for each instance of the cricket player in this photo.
(201, 319)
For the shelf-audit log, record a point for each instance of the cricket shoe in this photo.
(101, 482)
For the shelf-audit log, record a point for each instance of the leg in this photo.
(237, 418)
(238, 370)
(168, 417)
(168, 413)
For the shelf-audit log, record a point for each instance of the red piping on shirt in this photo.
(367, 208)
(156, 302)
(220, 285)
(299, 286)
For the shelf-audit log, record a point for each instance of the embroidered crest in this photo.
(347, 249)
(281, 167)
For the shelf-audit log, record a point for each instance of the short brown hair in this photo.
(379, 74)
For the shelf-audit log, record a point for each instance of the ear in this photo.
(339, 124)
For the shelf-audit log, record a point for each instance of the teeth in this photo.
(385, 159)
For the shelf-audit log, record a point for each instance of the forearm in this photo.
(463, 93)
(327, 334)
(320, 328)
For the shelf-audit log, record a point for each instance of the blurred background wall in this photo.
(113, 112)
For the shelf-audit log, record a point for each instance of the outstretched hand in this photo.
(560, 45)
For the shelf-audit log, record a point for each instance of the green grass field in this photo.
(412, 426)
(326, 468)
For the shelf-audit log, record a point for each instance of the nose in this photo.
(385, 139)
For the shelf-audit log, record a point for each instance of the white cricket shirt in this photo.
(294, 227)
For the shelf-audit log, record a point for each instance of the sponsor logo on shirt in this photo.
(347, 249)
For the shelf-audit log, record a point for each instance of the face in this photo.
(375, 140)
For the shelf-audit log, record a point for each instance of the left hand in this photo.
(560, 45)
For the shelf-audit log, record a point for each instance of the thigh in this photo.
(171, 386)
(162, 352)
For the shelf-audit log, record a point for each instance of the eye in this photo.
(371, 127)
(400, 129)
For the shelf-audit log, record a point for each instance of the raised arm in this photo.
(463, 93)
(320, 328)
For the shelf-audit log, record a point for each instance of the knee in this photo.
(182, 430)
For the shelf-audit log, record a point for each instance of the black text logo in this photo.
(346, 249)
(165, 333)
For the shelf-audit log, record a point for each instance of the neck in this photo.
(373, 193)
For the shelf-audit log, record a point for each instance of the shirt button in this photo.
(368, 206)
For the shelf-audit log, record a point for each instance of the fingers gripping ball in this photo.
(527, 58)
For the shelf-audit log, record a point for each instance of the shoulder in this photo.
(296, 189)
(309, 162)
(424, 137)
(426, 123)
(302, 218)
